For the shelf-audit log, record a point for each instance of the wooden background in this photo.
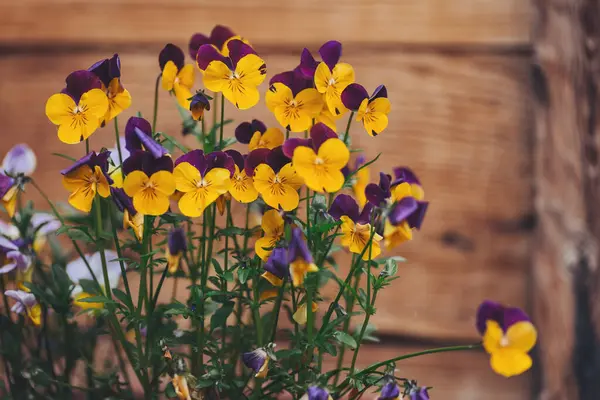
(458, 76)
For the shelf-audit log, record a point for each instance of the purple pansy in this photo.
(171, 53)
(245, 130)
(319, 133)
(410, 210)
(23, 299)
(218, 36)
(278, 263)
(256, 359)
(354, 94)
(92, 159)
(419, 393)
(108, 69)
(294, 80)
(275, 158)
(140, 160)
(20, 160)
(204, 163)
(176, 241)
(316, 393)
(330, 53)
(377, 194)
(504, 316)
(390, 391)
(199, 103)
(79, 82)
(405, 174)
(238, 159)
(298, 249)
(12, 256)
(138, 136)
(122, 201)
(346, 205)
(6, 183)
(237, 50)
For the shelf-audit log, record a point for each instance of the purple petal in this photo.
(488, 310)
(176, 241)
(298, 248)
(308, 64)
(360, 160)
(511, 316)
(20, 159)
(390, 391)
(287, 78)
(319, 133)
(200, 101)
(196, 158)
(277, 264)
(107, 69)
(6, 182)
(237, 157)
(385, 183)
(79, 82)
(140, 160)
(294, 80)
(256, 157)
(7, 245)
(245, 130)
(353, 96)
(255, 359)
(380, 91)
(317, 393)
(171, 53)
(330, 53)
(150, 145)
(405, 174)
(196, 41)
(365, 215)
(344, 205)
(419, 394)
(276, 159)
(290, 145)
(375, 195)
(219, 35)
(132, 140)
(220, 159)
(402, 210)
(122, 201)
(208, 53)
(91, 159)
(238, 50)
(415, 220)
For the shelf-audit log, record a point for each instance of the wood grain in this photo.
(459, 121)
(265, 22)
(567, 176)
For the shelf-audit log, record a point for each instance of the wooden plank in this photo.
(459, 121)
(567, 178)
(266, 22)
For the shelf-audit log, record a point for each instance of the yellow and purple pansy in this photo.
(219, 37)
(372, 110)
(109, 73)
(80, 107)
(274, 178)
(176, 247)
(330, 76)
(508, 336)
(256, 135)
(273, 226)
(299, 258)
(294, 101)
(202, 179)
(258, 361)
(320, 160)
(356, 226)
(316, 393)
(237, 76)
(26, 304)
(199, 103)
(131, 218)
(391, 390)
(85, 178)
(242, 186)
(177, 77)
(19, 163)
(277, 267)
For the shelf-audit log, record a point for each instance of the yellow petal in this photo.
(95, 104)
(255, 141)
(59, 108)
(242, 187)
(163, 182)
(401, 191)
(73, 133)
(76, 179)
(343, 73)
(186, 76)
(522, 336)
(509, 362)
(186, 177)
(396, 235)
(218, 180)
(84, 305)
(381, 105)
(263, 176)
(262, 373)
(251, 69)
(191, 204)
(169, 74)
(150, 201)
(273, 137)
(264, 243)
(82, 198)
(278, 95)
(269, 293)
(311, 101)
(183, 95)
(135, 182)
(35, 314)
(334, 153)
(102, 186)
(216, 76)
(273, 280)
(375, 123)
(288, 175)
(288, 199)
(322, 77)
(301, 314)
(492, 336)
(326, 117)
(119, 102)
(242, 96)
(272, 223)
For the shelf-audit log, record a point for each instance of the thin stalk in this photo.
(215, 107)
(277, 309)
(347, 135)
(120, 255)
(225, 269)
(349, 309)
(98, 226)
(222, 121)
(118, 138)
(256, 313)
(155, 115)
(122, 364)
(87, 146)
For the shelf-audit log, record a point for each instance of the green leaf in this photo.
(344, 338)
(61, 278)
(220, 316)
(122, 296)
(170, 391)
(217, 266)
(174, 141)
(204, 383)
(365, 165)
(231, 231)
(243, 274)
(97, 299)
(89, 286)
(228, 276)
(66, 157)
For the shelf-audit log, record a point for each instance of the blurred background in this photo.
(458, 77)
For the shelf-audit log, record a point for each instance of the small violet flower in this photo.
(177, 77)
(109, 73)
(508, 335)
(18, 164)
(316, 393)
(131, 218)
(276, 267)
(299, 258)
(258, 361)
(236, 75)
(272, 225)
(85, 178)
(390, 391)
(26, 304)
(79, 109)
(418, 393)
(371, 111)
(12, 257)
(199, 103)
(256, 135)
(176, 247)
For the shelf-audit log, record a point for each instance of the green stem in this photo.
(87, 146)
(215, 107)
(347, 135)
(120, 254)
(256, 313)
(349, 309)
(155, 115)
(222, 121)
(118, 138)
(98, 226)
(277, 309)
(287, 134)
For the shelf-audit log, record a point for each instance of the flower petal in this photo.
(334, 153)
(344, 205)
(216, 76)
(207, 54)
(169, 74)
(59, 108)
(272, 223)
(163, 182)
(20, 159)
(353, 96)
(522, 336)
(330, 53)
(134, 182)
(278, 95)
(171, 53)
(508, 362)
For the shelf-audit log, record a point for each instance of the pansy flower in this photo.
(256, 135)
(242, 186)
(275, 178)
(202, 179)
(300, 259)
(272, 225)
(372, 110)
(293, 101)
(316, 393)
(405, 215)
(176, 247)
(18, 164)
(42, 225)
(356, 226)
(359, 180)
(77, 271)
(237, 75)
(85, 178)
(276, 267)
(406, 183)
(418, 393)
(12, 257)
(149, 181)
(109, 73)
(321, 163)
(177, 77)
(331, 77)
(301, 314)
(26, 304)
(508, 336)
(199, 103)
(219, 37)
(390, 391)
(131, 218)
(79, 109)
(258, 361)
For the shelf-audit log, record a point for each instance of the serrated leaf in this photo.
(243, 274)
(97, 299)
(122, 296)
(344, 338)
(220, 316)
